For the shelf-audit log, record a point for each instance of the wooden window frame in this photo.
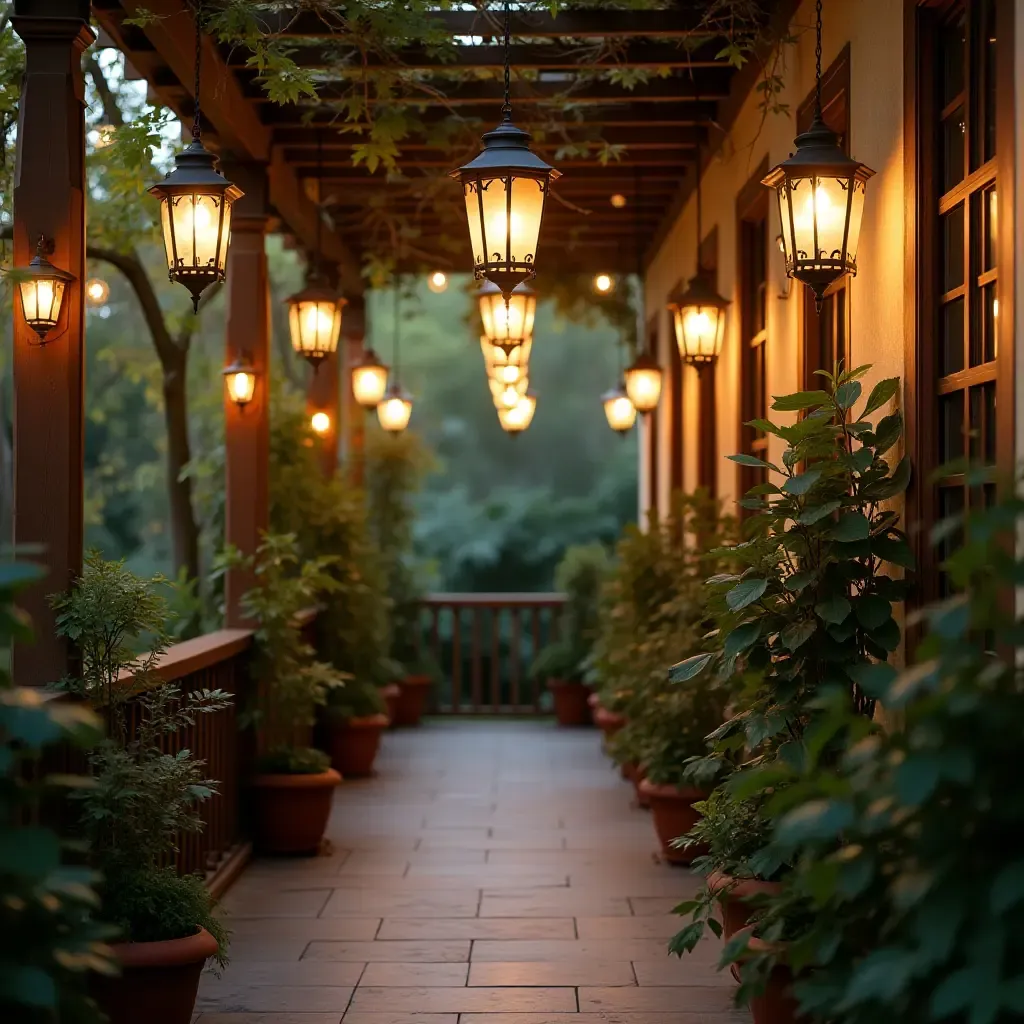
(922, 385)
(651, 424)
(835, 104)
(752, 209)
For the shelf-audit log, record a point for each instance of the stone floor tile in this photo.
(689, 969)
(407, 975)
(470, 877)
(660, 926)
(666, 999)
(396, 951)
(362, 1017)
(357, 929)
(268, 1018)
(296, 903)
(468, 1000)
(604, 1017)
(265, 972)
(277, 999)
(555, 950)
(557, 902)
(266, 947)
(477, 928)
(555, 973)
(405, 904)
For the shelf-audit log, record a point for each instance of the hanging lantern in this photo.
(505, 187)
(821, 201)
(195, 211)
(520, 416)
(369, 380)
(507, 322)
(97, 291)
(42, 287)
(506, 396)
(438, 282)
(320, 423)
(395, 410)
(240, 381)
(643, 382)
(698, 316)
(314, 322)
(618, 410)
(506, 364)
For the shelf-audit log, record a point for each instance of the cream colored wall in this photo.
(874, 30)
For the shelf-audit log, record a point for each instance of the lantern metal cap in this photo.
(490, 288)
(817, 151)
(316, 291)
(195, 168)
(506, 149)
(644, 361)
(699, 292)
(240, 364)
(616, 392)
(370, 358)
(41, 267)
(395, 390)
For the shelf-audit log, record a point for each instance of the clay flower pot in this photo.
(291, 811)
(674, 816)
(570, 699)
(354, 744)
(733, 895)
(412, 699)
(627, 770)
(158, 980)
(391, 693)
(776, 1005)
(643, 801)
(609, 722)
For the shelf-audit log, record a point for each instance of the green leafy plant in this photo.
(142, 797)
(579, 576)
(49, 933)
(906, 899)
(291, 682)
(355, 700)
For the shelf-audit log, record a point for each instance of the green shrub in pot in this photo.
(141, 798)
(49, 933)
(355, 700)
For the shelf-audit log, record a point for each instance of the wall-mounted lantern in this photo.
(41, 287)
(240, 381)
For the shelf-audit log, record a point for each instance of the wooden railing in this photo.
(484, 645)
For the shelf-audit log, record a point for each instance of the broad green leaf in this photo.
(1008, 887)
(816, 819)
(742, 637)
(796, 634)
(31, 851)
(872, 611)
(800, 400)
(880, 394)
(956, 992)
(798, 580)
(833, 609)
(744, 593)
(803, 483)
(895, 484)
(894, 550)
(751, 460)
(23, 985)
(689, 668)
(1011, 994)
(917, 777)
(887, 635)
(810, 516)
(847, 394)
(851, 526)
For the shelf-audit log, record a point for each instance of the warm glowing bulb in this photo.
(369, 381)
(394, 412)
(44, 297)
(438, 281)
(320, 422)
(603, 283)
(519, 416)
(995, 307)
(96, 291)
(240, 380)
(239, 385)
(318, 321)
(618, 200)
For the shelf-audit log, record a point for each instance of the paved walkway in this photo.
(493, 873)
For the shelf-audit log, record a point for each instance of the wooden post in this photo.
(353, 336)
(49, 380)
(322, 396)
(247, 428)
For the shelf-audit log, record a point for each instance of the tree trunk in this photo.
(184, 528)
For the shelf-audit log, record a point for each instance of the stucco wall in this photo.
(874, 30)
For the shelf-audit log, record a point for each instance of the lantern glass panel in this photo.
(476, 238)
(394, 413)
(699, 331)
(819, 216)
(241, 386)
(41, 299)
(369, 384)
(527, 210)
(198, 233)
(520, 416)
(507, 395)
(856, 216)
(619, 411)
(314, 325)
(508, 323)
(643, 385)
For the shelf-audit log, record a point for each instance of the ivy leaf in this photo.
(800, 400)
(803, 483)
(1008, 887)
(745, 593)
(796, 634)
(833, 609)
(689, 668)
(880, 394)
(742, 637)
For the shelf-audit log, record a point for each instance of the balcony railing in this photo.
(484, 645)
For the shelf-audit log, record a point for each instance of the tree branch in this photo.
(111, 111)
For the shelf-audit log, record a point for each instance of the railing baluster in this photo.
(456, 657)
(514, 652)
(477, 662)
(495, 659)
(534, 649)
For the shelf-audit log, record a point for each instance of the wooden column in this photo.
(322, 395)
(49, 379)
(247, 428)
(353, 337)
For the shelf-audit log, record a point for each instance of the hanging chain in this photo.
(319, 197)
(817, 61)
(197, 12)
(700, 229)
(398, 321)
(506, 109)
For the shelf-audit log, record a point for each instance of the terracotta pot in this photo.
(354, 744)
(627, 770)
(570, 698)
(412, 699)
(158, 980)
(609, 722)
(776, 1005)
(391, 693)
(732, 897)
(291, 811)
(674, 816)
(643, 801)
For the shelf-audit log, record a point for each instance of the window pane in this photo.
(951, 347)
(951, 427)
(953, 249)
(951, 59)
(952, 156)
(991, 229)
(990, 321)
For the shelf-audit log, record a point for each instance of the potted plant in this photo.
(50, 936)
(142, 797)
(356, 717)
(294, 785)
(562, 663)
